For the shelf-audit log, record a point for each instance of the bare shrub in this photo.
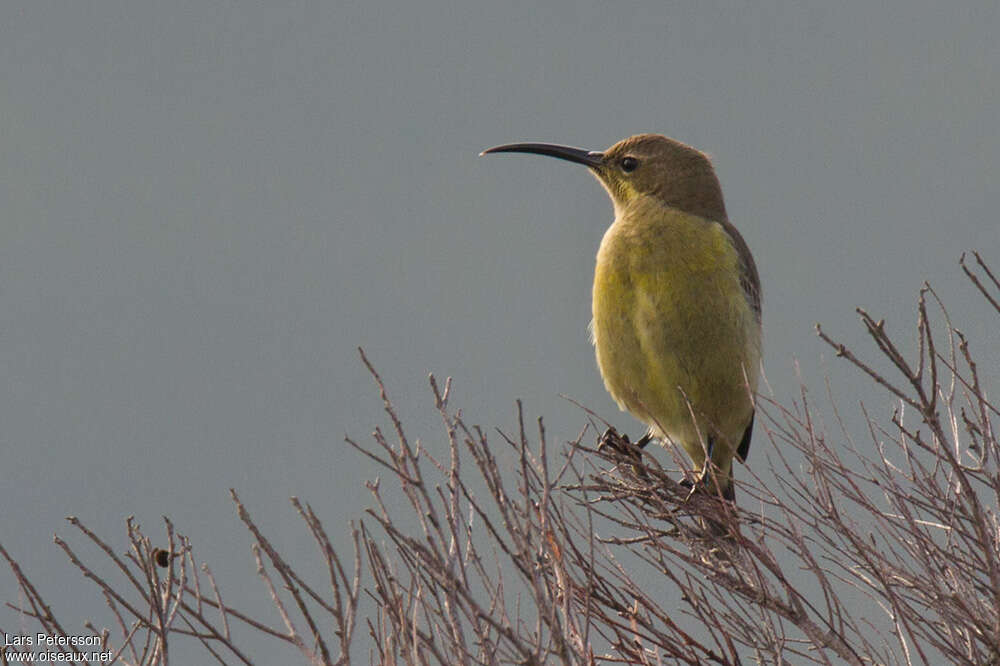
(565, 558)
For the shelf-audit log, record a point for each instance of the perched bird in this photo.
(676, 300)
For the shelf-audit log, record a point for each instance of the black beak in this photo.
(590, 158)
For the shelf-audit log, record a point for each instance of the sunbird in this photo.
(676, 301)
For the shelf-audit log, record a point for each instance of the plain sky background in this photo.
(207, 206)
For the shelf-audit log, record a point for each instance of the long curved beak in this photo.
(590, 158)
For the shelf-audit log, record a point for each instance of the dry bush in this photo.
(566, 557)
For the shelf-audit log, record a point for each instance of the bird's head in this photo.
(644, 165)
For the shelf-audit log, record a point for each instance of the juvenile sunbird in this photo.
(676, 300)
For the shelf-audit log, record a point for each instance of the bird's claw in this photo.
(703, 482)
(613, 442)
(611, 439)
(692, 486)
(644, 440)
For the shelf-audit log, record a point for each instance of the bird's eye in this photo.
(629, 164)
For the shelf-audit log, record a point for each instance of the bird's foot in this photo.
(705, 482)
(613, 442)
(719, 520)
(623, 452)
(692, 486)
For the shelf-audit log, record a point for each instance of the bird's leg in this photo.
(705, 476)
(710, 449)
(707, 482)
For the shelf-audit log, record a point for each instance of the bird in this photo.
(676, 301)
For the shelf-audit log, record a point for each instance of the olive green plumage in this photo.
(676, 299)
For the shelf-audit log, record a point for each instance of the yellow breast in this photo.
(672, 327)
